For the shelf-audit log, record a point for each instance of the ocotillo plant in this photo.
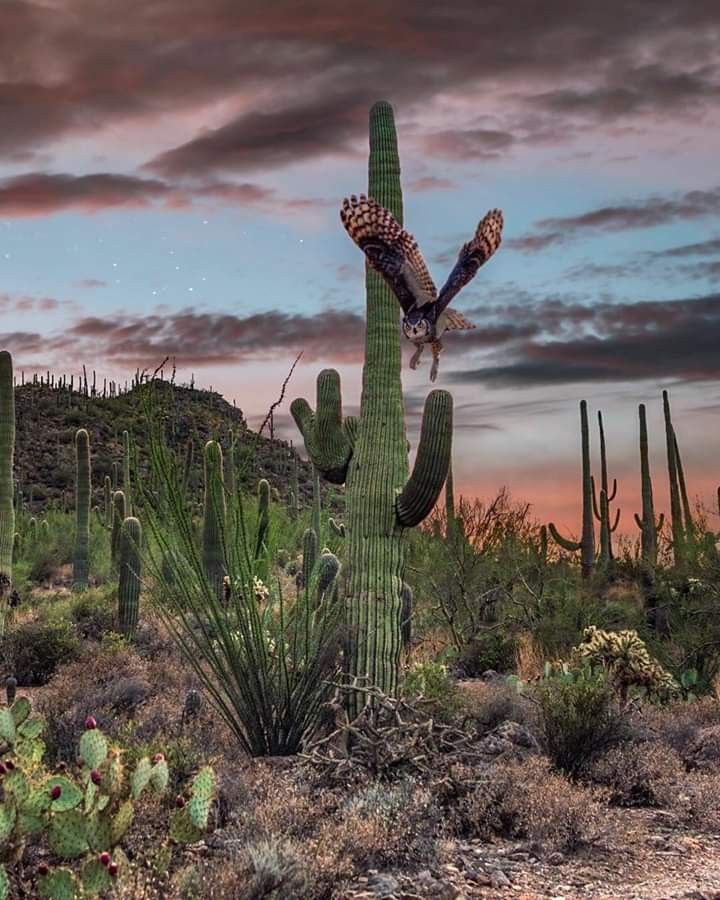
(126, 473)
(83, 494)
(117, 520)
(129, 578)
(601, 509)
(214, 516)
(369, 454)
(648, 526)
(586, 544)
(7, 450)
(678, 532)
(230, 465)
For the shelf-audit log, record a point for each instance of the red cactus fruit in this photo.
(90, 723)
(95, 777)
(43, 869)
(104, 858)
(113, 870)
(159, 757)
(9, 765)
(179, 801)
(56, 792)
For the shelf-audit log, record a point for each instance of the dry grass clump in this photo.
(489, 704)
(696, 801)
(528, 800)
(639, 773)
(680, 724)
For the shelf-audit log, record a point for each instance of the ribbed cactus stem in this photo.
(126, 473)
(688, 524)
(83, 493)
(317, 505)
(678, 533)
(647, 525)
(606, 529)
(118, 517)
(263, 516)
(337, 528)
(370, 454)
(107, 500)
(130, 574)
(7, 451)
(310, 554)
(214, 516)
(406, 600)
(586, 544)
(324, 577)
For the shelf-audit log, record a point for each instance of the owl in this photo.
(394, 253)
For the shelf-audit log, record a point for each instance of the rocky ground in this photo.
(655, 859)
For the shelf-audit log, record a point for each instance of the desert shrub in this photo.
(528, 800)
(491, 704)
(33, 650)
(93, 615)
(274, 868)
(680, 725)
(696, 801)
(638, 773)
(578, 717)
(492, 649)
(432, 682)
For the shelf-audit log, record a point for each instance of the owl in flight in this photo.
(394, 253)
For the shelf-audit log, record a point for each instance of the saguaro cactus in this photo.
(370, 455)
(586, 544)
(130, 573)
(118, 517)
(647, 524)
(263, 515)
(678, 532)
(83, 493)
(126, 473)
(7, 509)
(214, 516)
(601, 509)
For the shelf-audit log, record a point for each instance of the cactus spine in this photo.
(648, 526)
(129, 580)
(7, 509)
(370, 455)
(586, 544)
(214, 515)
(83, 493)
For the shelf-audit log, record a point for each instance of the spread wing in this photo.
(390, 250)
(472, 255)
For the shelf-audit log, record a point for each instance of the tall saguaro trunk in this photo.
(369, 454)
(7, 508)
(648, 526)
(83, 495)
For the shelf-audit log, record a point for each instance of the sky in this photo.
(171, 174)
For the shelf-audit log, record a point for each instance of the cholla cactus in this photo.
(84, 816)
(627, 660)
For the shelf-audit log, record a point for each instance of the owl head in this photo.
(416, 326)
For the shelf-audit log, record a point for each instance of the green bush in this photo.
(32, 651)
(578, 717)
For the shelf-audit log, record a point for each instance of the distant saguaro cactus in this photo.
(83, 493)
(118, 517)
(126, 473)
(214, 516)
(648, 526)
(586, 544)
(7, 509)
(129, 578)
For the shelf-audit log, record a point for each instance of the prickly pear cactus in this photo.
(84, 815)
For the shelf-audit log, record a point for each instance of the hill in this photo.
(47, 418)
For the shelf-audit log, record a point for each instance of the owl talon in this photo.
(415, 359)
(434, 370)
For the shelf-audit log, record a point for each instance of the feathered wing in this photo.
(390, 250)
(456, 321)
(472, 255)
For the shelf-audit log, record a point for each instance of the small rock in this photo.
(383, 885)
(556, 859)
(498, 879)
